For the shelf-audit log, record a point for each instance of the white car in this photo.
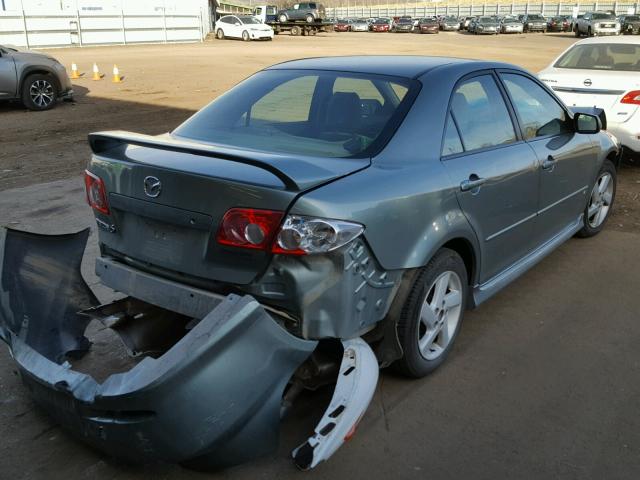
(245, 27)
(603, 72)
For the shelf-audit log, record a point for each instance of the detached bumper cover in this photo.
(210, 401)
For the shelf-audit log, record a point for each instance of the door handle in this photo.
(548, 163)
(472, 183)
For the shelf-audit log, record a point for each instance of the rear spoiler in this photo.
(103, 141)
(598, 112)
(296, 172)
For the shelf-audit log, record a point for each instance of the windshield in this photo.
(511, 20)
(405, 20)
(624, 57)
(486, 20)
(249, 20)
(305, 112)
(534, 17)
(603, 16)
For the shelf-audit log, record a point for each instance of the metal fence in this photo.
(474, 9)
(82, 28)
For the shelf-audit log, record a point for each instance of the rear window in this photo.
(624, 57)
(306, 112)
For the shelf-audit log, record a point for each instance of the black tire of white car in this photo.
(220, 34)
(48, 88)
(587, 229)
(410, 324)
(245, 36)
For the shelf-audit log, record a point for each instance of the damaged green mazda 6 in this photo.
(323, 219)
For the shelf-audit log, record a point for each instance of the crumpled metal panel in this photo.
(212, 400)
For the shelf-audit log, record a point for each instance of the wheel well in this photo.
(615, 158)
(464, 248)
(37, 71)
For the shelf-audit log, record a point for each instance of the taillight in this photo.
(302, 235)
(249, 228)
(96, 193)
(632, 97)
(297, 235)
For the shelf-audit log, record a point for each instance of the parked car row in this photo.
(589, 24)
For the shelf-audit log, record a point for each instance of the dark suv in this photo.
(309, 12)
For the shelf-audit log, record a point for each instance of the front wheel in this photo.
(283, 18)
(310, 19)
(39, 92)
(245, 36)
(600, 201)
(432, 314)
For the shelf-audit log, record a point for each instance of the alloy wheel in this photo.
(440, 315)
(42, 93)
(600, 200)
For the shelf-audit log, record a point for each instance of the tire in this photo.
(295, 30)
(447, 271)
(577, 32)
(220, 34)
(310, 19)
(40, 92)
(592, 224)
(283, 18)
(245, 36)
(589, 33)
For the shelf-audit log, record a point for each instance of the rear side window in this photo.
(481, 114)
(452, 143)
(540, 115)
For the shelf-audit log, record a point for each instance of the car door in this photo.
(8, 75)
(565, 158)
(496, 172)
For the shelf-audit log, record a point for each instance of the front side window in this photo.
(305, 112)
(623, 57)
(540, 115)
(481, 114)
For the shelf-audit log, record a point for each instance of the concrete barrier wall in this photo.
(81, 28)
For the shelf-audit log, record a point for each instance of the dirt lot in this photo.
(543, 382)
(164, 84)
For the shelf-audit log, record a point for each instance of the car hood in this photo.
(27, 54)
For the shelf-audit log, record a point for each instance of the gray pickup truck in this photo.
(597, 23)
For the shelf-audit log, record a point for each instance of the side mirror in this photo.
(238, 24)
(585, 123)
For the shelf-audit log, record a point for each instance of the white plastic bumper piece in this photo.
(354, 390)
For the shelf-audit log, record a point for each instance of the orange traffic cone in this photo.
(74, 71)
(96, 73)
(116, 75)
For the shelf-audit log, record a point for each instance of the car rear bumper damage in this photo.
(210, 397)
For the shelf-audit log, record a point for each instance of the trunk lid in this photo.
(171, 228)
(589, 88)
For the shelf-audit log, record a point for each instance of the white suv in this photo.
(597, 23)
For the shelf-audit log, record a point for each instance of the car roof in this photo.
(409, 66)
(611, 39)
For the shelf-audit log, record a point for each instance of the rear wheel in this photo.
(432, 314)
(283, 18)
(220, 34)
(245, 36)
(295, 30)
(309, 18)
(600, 201)
(39, 92)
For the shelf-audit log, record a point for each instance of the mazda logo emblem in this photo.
(152, 186)
(587, 82)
